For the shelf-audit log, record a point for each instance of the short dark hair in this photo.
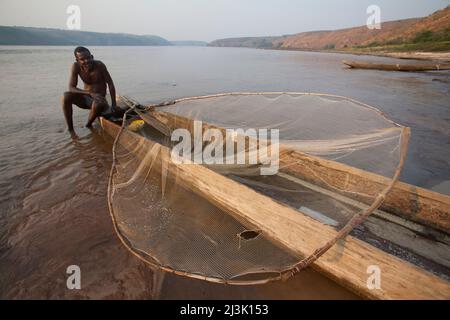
(80, 49)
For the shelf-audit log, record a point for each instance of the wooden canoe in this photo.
(411, 218)
(407, 201)
(396, 67)
(346, 263)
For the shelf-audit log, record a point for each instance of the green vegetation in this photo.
(374, 44)
(428, 46)
(396, 41)
(426, 40)
(430, 36)
(424, 36)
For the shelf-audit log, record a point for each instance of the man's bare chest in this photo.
(91, 77)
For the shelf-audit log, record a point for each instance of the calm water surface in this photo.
(53, 209)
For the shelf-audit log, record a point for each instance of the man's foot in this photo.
(73, 135)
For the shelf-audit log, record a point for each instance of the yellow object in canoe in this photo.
(136, 125)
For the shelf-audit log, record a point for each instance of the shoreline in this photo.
(414, 55)
(410, 55)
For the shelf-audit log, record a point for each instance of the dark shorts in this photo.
(85, 102)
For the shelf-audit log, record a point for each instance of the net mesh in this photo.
(251, 187)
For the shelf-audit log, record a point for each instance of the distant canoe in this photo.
(396, 67)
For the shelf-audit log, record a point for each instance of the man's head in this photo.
(83, 57)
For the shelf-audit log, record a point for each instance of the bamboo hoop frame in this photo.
(287, 273)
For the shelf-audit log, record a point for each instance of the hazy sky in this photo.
(210, 19)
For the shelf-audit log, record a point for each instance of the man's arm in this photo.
(73, 81)
(112, 88)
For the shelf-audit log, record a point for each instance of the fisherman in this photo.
(95, 76)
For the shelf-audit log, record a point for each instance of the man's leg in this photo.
(67, 109)
(97, 108)
(67, 100)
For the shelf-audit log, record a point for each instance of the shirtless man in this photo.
(95, 77)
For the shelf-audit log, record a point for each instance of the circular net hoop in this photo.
(247, 188)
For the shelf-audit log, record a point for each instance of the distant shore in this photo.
(426, 38)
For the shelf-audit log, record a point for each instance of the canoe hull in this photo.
(342, 263)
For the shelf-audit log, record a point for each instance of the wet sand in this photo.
(59, 226)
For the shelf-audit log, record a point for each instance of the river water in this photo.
(53, 209)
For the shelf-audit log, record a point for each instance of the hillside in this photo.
(415, 34)
(46, 36)
(345, 38)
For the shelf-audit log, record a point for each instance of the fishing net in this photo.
(246, 188)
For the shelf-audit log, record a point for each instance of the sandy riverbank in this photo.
(415, 55)
(441, 57)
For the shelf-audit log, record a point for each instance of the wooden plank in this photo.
(405, 200)
(396, 67)
(346, 263)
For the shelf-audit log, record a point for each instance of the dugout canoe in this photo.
(396, 66)
(407, 201)
(346, 263)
